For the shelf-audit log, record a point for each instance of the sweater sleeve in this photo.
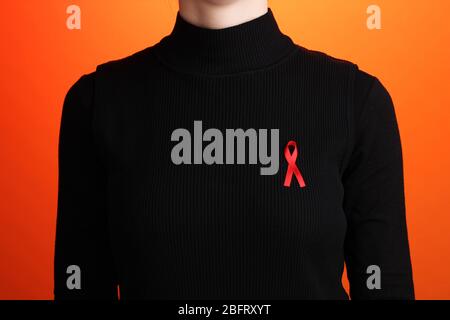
(376, 244)
(83, 266)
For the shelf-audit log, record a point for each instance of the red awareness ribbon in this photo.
(292, 167)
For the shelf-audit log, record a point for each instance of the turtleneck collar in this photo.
(251, 45)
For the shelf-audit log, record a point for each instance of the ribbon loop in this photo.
(292, 167)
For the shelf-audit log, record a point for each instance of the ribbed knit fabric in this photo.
(130, 216)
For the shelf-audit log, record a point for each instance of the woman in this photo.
(226, 161)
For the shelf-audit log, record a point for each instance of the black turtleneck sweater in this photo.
(175, 181)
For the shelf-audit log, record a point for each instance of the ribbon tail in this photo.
(288, 178)
(299, 177)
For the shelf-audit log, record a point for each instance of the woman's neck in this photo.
(219, 14)
(252, 45)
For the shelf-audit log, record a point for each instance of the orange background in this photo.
(41, 58)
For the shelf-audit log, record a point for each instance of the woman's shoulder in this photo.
(327, 60)
(131, 63)
(369, 93)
